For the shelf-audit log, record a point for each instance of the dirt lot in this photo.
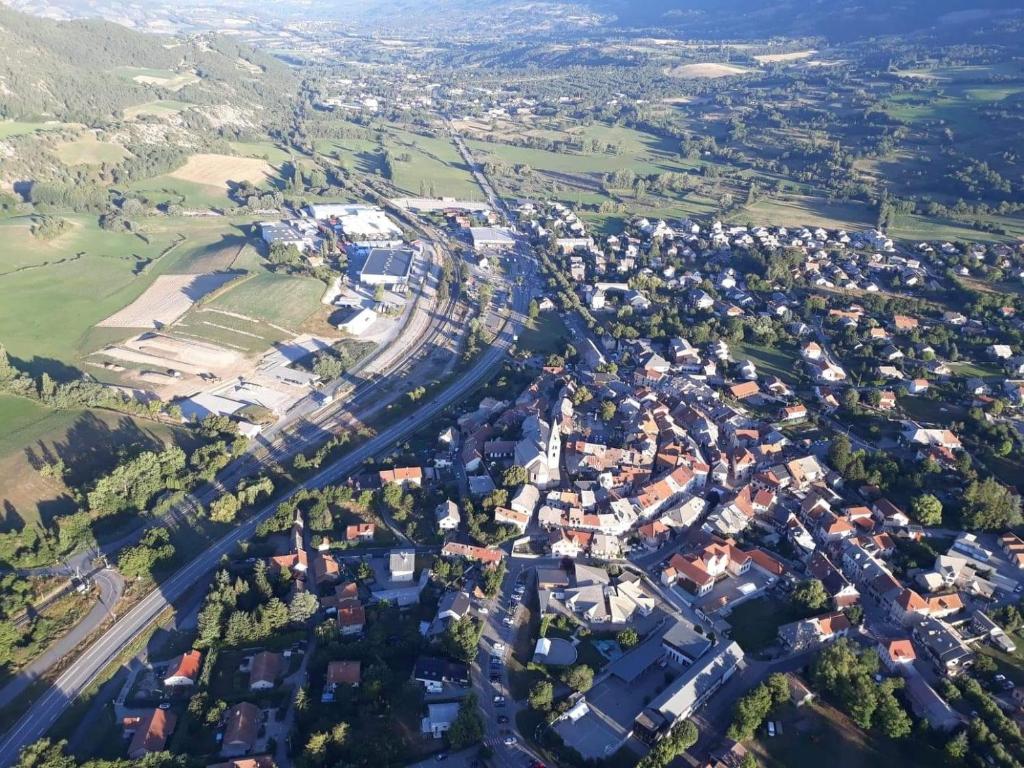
(166, 300)
(218, 170)
(774, 58)
(705, 70)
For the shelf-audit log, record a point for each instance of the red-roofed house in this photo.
(183, 670)
(897, 655)
(149, 732)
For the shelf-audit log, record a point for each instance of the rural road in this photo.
(111, 587)
(55, 701)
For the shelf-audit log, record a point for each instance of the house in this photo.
(183, 670)
(506, 516)
(654, 534)
(264, 670)
(485, 555)
(526, 499)
(256, 761)
(440, 718)
(402, 564)
(796, 412)
(811, 351)
(149, 732)
(897, 656)
(917, 386)
(340, 673)
(351, 619)
(744, 390)
(403, 476)
(360, 532)
(447, 514)
(452, 607)
(1000, 351)
(799, 693)
(944, 646)
(818, 630)
(683, 644)
(241, 727)
(928, 705)
(434, 673)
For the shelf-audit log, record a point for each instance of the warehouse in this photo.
(491, 238)
(387, 266)
(364, 226)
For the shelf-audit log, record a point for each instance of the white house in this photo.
(448, 517)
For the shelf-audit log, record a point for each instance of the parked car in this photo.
(510, 740)
(499, 701)
(771, 728)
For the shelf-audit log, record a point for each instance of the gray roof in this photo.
(589, 574)
(455, 602)
(684, 639)
(393, 262)
(691, 688)
(401, 560)
(630, 666)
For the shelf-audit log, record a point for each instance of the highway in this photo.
(70, 684)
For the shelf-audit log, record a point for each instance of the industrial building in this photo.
(364, 226)
(386, 266)
(492, 238)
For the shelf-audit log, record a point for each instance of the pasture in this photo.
(87, 149)
(10, 128)
(158, 108)
(161, 78)
(282, 300)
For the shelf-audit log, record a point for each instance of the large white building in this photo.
(365, 226)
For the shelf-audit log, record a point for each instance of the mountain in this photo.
(85, 70)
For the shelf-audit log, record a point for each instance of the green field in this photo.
(434, 162)
(817, 732)
(158, 108)
(18, 128)
(544, 336)
(87, 441)
(167, 189)
(268, 150)
(55, 292)
(783, 362)
(88, 150)
(282, 300)
(360, 155)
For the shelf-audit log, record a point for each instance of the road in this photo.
(111, 587)
(69, 685)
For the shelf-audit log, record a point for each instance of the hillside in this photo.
(82, 71)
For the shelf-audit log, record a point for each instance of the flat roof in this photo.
(491, 235)
(393, 262)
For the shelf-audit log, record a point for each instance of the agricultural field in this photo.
(56, 291)
(434, 163)
(283, 300)
(166, 300)
(359, 155)
(220, 170)
(87, 149)
(705, 70)
(162, 78)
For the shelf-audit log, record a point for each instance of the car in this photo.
(499, 700)
(999, 678)
(499, 647)
(1008, 685)
(510, 741)
(502, 719)
(508, 621)
(482, 610)
(164, 705)
(771, 728)
(441, 756)
(1019, 588)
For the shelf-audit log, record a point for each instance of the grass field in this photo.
(806, 211)
(162, 78)
(783, 361)
(544, 336)
(819, 732)
(158, 108)
(267, 150)
(434, 163)
(282, 300)
(755, 624)
(89, 150)
(18, 128)
(55, 292)
(87, 441)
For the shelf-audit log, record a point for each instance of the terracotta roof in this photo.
(479, 554)
(909, 600)
(767, 562)
(186, 665)
(744, 390)
(831, 623)
(344, 673)
(242, 723)
(359, 530)
(351, 615)
(152, 732)
(400, 475)
(900, 650)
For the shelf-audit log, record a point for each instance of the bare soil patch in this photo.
(166, 300)
(705, 70)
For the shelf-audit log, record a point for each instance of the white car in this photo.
(499, 648)
(771, 728)
(510, 741)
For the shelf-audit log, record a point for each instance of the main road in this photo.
(66, 688)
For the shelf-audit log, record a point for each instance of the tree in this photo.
(892, 718)
(45, 754)
(225, 508)
(302, 607)
(956, 748)
(675, 742)
(534, 309)
(580, 677)
(541, 696)
(468, 727)
(990, 505)
(811, 595)
(748, 761)
(608, 409)
(462, 637)
(514, 476)
(927, 509)
(628, 638)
